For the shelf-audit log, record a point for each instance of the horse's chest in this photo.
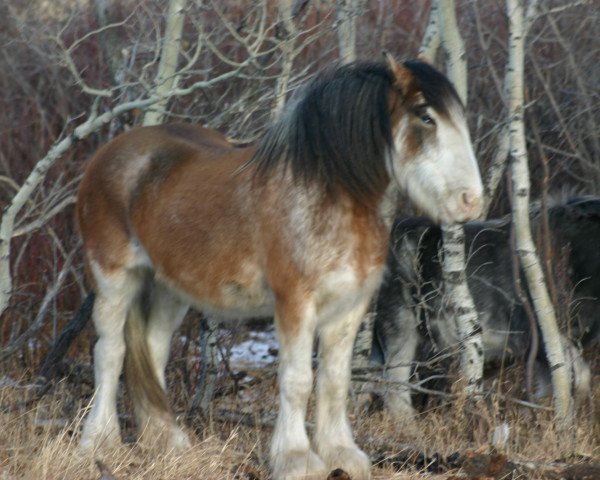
(344, 288)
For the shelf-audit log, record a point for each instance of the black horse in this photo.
(411, 323)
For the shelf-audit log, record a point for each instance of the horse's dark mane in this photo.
(337, 133)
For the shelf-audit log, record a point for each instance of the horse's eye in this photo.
(426, 119)
(421, 112)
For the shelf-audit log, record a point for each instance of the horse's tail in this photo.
(70, 332)
(147, 394)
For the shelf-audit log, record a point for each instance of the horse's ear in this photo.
(423, 57)
(403, 76)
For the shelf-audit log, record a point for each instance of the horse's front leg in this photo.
(291, 456)
(333, 436)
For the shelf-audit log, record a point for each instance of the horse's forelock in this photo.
(435, 87)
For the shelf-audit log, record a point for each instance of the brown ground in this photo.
(38, 434)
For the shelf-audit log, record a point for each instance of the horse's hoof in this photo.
(298, 465)
(349, 459)
(99, 438)
(179, 440)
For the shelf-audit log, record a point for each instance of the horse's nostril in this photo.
(470, 200)
(466, 198)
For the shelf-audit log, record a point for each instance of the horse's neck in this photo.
(311, 215)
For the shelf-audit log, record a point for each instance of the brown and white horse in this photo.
(297, 227)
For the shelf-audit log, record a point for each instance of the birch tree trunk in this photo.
(431, 39)
(346, 12)
(456, 289)
(454, 46)
(166, 80)
(36, 176)
(497, 166)
(561, 381)
(287, 47)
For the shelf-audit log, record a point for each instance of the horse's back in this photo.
(173, 199)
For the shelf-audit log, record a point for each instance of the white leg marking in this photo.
(291, 456)
(114, 295)
(333, 437)
(166, 314)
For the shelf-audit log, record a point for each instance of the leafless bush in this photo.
(60, 61)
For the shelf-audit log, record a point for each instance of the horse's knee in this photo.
(296, 384)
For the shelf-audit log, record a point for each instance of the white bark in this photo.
(456, 290)
(431, 39)
(454, 47)
(287, 47)
(166, 80)
(459, 303)
(346, 12)
(561, 380)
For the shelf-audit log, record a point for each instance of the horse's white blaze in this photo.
(443, 179)
(464, 188)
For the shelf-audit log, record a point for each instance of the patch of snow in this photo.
(256, 351)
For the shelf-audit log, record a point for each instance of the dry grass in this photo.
(38, 437)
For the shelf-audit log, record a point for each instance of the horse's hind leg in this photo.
(165, 315)
(115, 293)
(333, 435)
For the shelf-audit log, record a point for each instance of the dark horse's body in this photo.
(410, 321)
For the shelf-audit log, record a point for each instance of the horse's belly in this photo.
(253, 299)
(238, 294)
